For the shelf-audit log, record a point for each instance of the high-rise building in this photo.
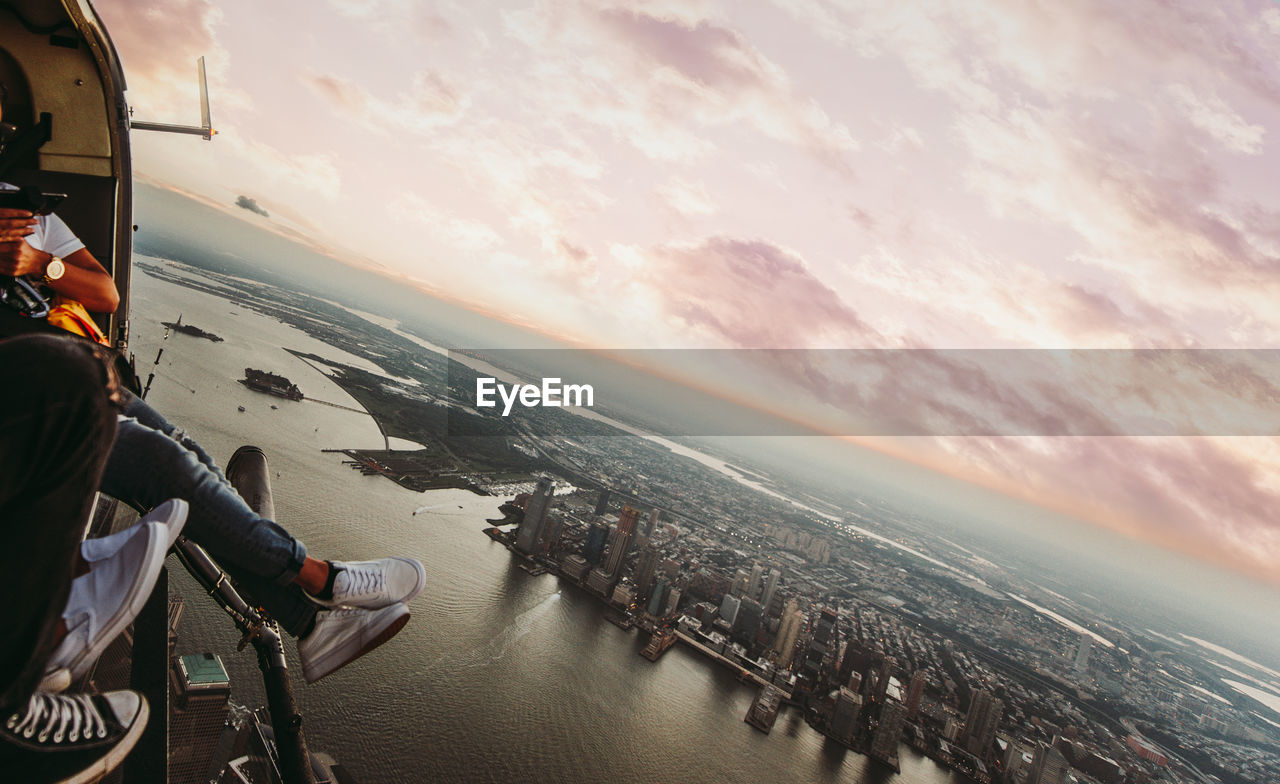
(593, 547)
(770, 589)
(883, 674)
(844, 717)
(729, 608)
(753, 582)
(657, 596)
(673, 603)
(788, 632)
(549, 534)
(199, 688)
(650, 524)
(856, 661)
(646, 570)
(739, 585)
(823, 644)
(884, 744)
(855, 683)
(915, 693)
(980, 723)
(1048, 766)
(602, 502)
(600, 581)
(627, 520)
(1082, 654)
(535, 514)
(621, 541)
(747, 624)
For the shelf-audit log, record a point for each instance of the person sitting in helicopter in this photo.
(337, 610)
(58, 415)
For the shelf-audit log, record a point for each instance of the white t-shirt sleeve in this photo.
(53, 236)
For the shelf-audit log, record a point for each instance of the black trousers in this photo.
(57, 423)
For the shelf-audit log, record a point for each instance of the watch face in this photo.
(55, 269)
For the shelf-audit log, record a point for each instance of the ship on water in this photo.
(187, 329)
(271, 383)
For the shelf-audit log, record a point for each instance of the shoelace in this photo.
(56, 712)
(364, 581)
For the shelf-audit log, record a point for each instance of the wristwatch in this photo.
(54, 269)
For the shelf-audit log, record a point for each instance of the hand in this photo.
(18, 258)
(16, 224)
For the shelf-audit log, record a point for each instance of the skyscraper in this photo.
(739, 585)
(729, 607)
(788, 632)
(650, 524)
(200, 688)
(884, 744)
(548, 534)
(915, 693)
(622, 536)
(770, 588)
(883, 674)
(753, 582)
(673, 602)
(747, 624)
(822, 644)
(1048, 766)
(654, 607)
(1082, 654)
(535, 514)
(979, 730)
(844, 717)
(857, 660)
(593, 547)
(646, 570)
(602, 503)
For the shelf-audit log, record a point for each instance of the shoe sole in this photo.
(133, 603)
(422, 577)
(55, 682)
(172, 514)
(175, 519)
(112, 759)
(390, 630)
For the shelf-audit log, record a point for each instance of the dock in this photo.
(658, 644)
(764, 708)
(745, 674)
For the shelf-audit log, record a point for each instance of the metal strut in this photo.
(247, 471)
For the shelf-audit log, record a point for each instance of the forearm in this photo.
(90, 285)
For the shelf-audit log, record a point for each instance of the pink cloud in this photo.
(750, 293)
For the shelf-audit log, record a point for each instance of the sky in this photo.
(809, 174)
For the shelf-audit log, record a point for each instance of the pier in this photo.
(764, 708)
(743, 672)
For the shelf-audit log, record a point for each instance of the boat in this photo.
(271, 383)
(240, 409)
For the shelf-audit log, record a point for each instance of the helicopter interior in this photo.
(63, 139)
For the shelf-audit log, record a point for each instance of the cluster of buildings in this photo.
(876, 650)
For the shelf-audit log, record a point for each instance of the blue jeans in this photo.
(152, 461)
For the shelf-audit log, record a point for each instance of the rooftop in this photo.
(204, 669)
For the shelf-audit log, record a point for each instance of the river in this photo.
(499, 676)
